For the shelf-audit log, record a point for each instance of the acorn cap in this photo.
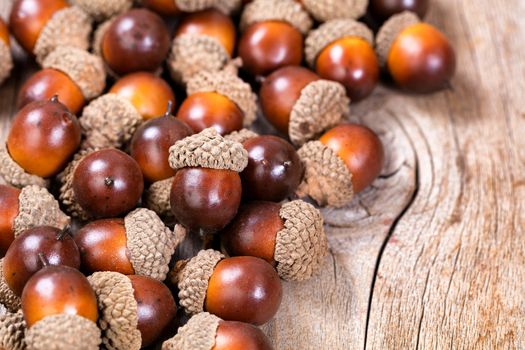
(85, 69)
(66, 193)
(150, 243)
(12, 331)
(325, 10)
(108, 121)
(191, 53)
(193, 278)
(288, 11)
(117, 307)
(227, 83)
(241, 135)
(301, 246)
(13, 173)
(6, 61)
(64, 332)
(69, 26)
(389, 32)
(7, 297)
(322, 105)
(208, 149)
(226, 6)
(101, 30)
(332, 31)
(158, 197)
(198, 334)
(38, 207)
(101, 10)
(326, 178)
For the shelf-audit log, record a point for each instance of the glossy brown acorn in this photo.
(47, 83)
(274, 169)
(21, 260)
(381, 10)
(162, 7)
(151, 143)
(57, 290)
(4, 33)
(137, 40)
(253, 232)
(210, 22)
(148, 93)
(204, 110)
(352, 62)
(9, 209)
(29, 17)
(103, 247)
(360, 149)
(280, 91)
(107, 183)
(156, 307)
(421, 59)
(232, 335)
(43, 137)
(267, 46)
(245, 289)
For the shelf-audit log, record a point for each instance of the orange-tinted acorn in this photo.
(162, 7)
(381, 10)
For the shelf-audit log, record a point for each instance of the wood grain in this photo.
(432, 256)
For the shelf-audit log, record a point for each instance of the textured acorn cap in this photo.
(322, 105)
(241, 135)
(226, 6)
(389, 32)
(288, 11)
(69, 26)
(228, 84)
(158, 197)
(208, 149)
(9, 299)
(101, 10)
(332, 31)
(193, 278)
(117, 307)
(101, 30)
(301, 246)
(12, 331)
(38, 207)
(13, 173)
(198, 334)
(150, 243)
(108, 121)
(191, 53)
(6, 61)
(86, 70)
(325, 10)
(63, 332)
(66, 193)
(326, 178)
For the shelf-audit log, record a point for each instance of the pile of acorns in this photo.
(97, 205)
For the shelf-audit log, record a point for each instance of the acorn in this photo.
(12, 331)
(302, 105)
(342, 50)
(289, 236)
(134, 310)
(325, 10)
(6, 59)
(101, 10)
(272, 35)
(205, 331)
(418, 57)
(24, 209)
(206, 190)
(204, 41)
(41, 26)
(381, 10)
(72, 74)
(138, 244)
(162, 7)
(345, 160)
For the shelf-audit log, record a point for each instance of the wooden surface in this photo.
(433, 255)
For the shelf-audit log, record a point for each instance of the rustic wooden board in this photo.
(432, 255)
